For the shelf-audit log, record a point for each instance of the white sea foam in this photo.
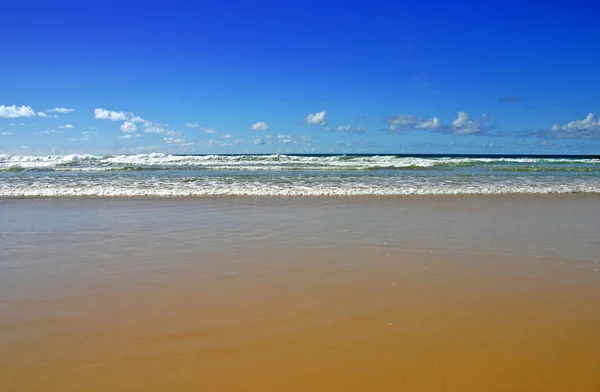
(223, 188)
(252, 162)
(48, 176)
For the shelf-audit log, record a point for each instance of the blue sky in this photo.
(265, 77)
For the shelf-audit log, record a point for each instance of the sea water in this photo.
(163, 175)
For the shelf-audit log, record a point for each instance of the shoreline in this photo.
(313, 197)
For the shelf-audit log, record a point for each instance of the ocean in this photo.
(163, 175)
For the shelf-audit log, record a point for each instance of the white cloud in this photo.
(129, 126)
(16, 111)
(461, 119)
(151, 128)
(129, 136)
(190, 125)
(215, 142)
(69, 126)
(285, 139)
(61, 110)
(137, 119)
(460, 126)
(50, 131)
(259, 126)
(316, 118)
(433, 123)
(348, 128)
(463, 126)
(179, 141)
(410, 121)
(42, 114)
(6, 133)
(209, 131)
(103, 114)
(588, 128)
(261, 140)
(227, 136)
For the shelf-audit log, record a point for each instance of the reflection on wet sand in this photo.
(456, 294)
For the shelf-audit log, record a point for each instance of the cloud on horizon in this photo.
(407, 122)
(149, 127)
(460, 126)
(588, 128)
(463, 126)
(316, 118)
(266, 139)
(180, 141)
(129, 127)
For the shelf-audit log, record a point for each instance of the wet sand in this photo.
(301, 294)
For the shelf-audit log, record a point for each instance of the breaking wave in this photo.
(158, 161)
(162, 175)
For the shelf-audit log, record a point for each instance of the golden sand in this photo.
(409, 295)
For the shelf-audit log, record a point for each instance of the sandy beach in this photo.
(417, 293)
